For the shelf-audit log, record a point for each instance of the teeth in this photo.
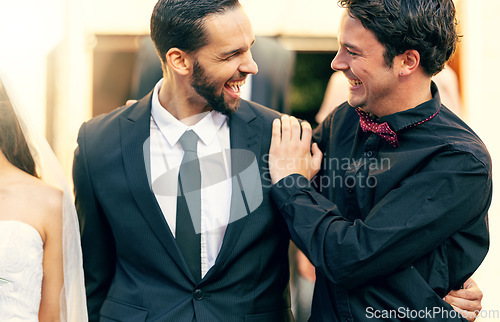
(235, 86)
(355, 82)
(238, 83)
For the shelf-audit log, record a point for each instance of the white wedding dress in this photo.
(21, 246)
(21, 272)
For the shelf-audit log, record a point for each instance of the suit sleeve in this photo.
(97, 242)
(452, 194)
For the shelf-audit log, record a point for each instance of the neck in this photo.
(177, 98)
(412, 91)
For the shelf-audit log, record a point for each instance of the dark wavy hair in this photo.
(12, 141)
(428, 26)
(180, 23)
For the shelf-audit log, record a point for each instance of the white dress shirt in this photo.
(166, 155)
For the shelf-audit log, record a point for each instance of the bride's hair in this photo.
(12, 141)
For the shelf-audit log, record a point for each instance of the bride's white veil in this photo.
(73, 300)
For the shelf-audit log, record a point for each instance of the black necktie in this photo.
(188, 222)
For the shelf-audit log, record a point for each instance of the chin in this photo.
(352, 103)
(233, 106)
(230, 110)
(355, 102)
(227, 109)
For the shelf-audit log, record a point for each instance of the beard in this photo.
(202, 85)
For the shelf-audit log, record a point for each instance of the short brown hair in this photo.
(428, 26)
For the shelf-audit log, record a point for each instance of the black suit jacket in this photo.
(134, 270)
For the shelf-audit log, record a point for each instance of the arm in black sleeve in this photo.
(408, 222)
(97, 241)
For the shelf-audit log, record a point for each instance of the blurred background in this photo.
(70, 60)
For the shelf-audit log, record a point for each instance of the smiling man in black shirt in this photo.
(397, 216)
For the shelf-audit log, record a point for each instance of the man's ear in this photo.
(409, 61)
(179, 61)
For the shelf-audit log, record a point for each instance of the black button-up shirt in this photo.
(391, 230)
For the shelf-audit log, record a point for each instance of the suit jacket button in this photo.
(198, 294)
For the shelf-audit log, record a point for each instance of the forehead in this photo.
(228, 30)
(352, 33)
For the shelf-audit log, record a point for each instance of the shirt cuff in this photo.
(288, 187)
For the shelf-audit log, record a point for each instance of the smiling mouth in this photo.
(354, 82)
(233, 87)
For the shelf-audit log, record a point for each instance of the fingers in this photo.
(290, 150)
(469, 298)
(316, 159)
(294, 129)
(463, 303)
(317, 156)
(286, 133)
(473, 290)
(306, 133)
(290, 129)
(468, 315)
(470, 283)
(276, 133)
(466, 301)
(470, 294)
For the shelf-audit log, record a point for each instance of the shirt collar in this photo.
(172, 129)
(414, 116)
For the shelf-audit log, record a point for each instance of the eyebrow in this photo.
(350, 46)
(229, 53)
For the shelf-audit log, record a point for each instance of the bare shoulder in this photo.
(32, 201)
(47, 199)
(47, 208)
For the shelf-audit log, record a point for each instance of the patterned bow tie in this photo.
(383, 130)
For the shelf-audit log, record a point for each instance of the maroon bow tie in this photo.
(383, 130)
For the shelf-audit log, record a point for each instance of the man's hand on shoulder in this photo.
(291, 150)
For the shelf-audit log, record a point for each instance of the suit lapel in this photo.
(245, 135)
(135, 131)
